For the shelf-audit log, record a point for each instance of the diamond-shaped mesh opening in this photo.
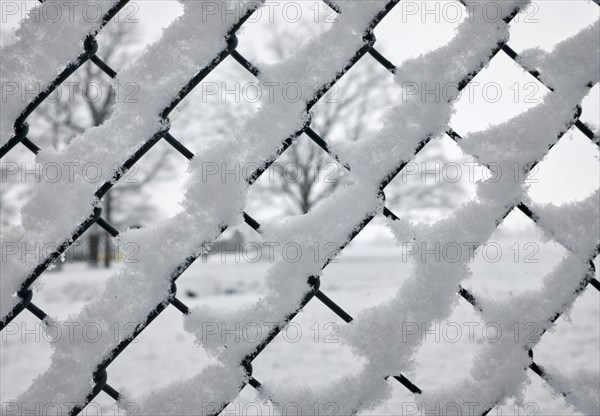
(435, 183)
(543, 24)
(537, 399)
(568, 173)
(125, 37)
(144, 22)
(25, 353)
(77, 282)
(308, 351)
(217, 107)
(137, 199)
(279, 28)
(102, 404)
(590, 111)
(85, 99)
(354, 107)
(514, 260)
(231, 272)
(413, 28)
(161, 180)
(498, 93)
(135, 368)
(368, 271)
(580, 354)
(19, 172)
(301, 178)
(448, 347)
(248, 402)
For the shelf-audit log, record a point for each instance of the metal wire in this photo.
(100, 376)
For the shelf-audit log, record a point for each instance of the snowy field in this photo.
(366, 274)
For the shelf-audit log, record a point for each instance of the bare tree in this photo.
(305, 174)
(86, 99)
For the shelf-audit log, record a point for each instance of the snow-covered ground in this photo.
(311, 352)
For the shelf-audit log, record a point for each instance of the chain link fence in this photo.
(92, 54)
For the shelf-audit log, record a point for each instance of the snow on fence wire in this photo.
(188, 51)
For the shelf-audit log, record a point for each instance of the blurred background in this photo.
(372, 267)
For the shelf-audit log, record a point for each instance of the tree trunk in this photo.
(107, 245)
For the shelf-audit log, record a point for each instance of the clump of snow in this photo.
(46, 41)
(431, 292)
(99, 153)
(203, 394)
(342, 397)
(328, 55)
(553, 70)
(144, 283)
(210, 203)
(582, 389)
(575, 225)
(499, 370)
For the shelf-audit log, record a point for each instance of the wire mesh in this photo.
(91, 53)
